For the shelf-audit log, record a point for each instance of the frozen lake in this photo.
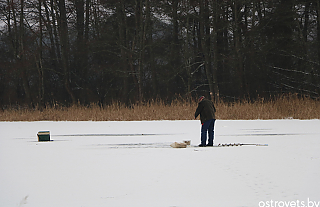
(93, 164)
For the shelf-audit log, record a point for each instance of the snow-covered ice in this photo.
(93, 164)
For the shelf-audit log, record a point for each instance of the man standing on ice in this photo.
(207, 111)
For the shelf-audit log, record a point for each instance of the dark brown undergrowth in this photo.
(284, 107)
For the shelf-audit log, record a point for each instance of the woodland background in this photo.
(101, 51)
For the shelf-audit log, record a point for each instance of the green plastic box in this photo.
(43, 136)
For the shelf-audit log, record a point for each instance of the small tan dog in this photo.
(183, 144)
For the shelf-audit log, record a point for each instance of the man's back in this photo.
(206, 110)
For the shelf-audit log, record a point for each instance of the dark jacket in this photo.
(206, 110)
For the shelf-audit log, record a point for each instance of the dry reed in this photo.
(285, 107)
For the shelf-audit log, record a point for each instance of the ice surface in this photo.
(132, 164)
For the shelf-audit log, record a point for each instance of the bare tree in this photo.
(65, 48)
(41, 90)
(318, 29)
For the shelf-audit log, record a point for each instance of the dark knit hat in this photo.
(200, 98)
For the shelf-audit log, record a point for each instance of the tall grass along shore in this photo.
(285, 107)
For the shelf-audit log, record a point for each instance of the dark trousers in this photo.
(207, 127)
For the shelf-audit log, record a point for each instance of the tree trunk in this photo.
(9, 18)
(15, 38)
(39, 62)
(175, 41)
(318, 38)
(149, 48)
(55, 18)
(86, 36)
(141, 41)
(23, 67)
(237, 49)
(79, 63)
(122, 41)
(187, 58)
(215, 50)
(64, 43)
(205, 42)
(175, 47)
(52, 50)
(318, 30)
